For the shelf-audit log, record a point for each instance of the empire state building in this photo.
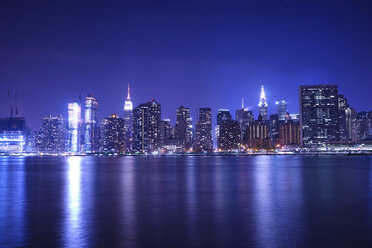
(128, 120)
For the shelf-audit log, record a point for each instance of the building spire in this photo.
(262, 102)
(242, 102)
(128, 97)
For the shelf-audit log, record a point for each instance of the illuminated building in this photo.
(91, 124)
(289, 133)
(12, 135)
(258, 135)
(73, 127)
(364, 122)
(245, 118)
(203, 134)
(112, 134)
(352, 126)
(128, 120)
(183, 127)
(166, 132)
(146, 127)
(262, 105)
(281, 105)
(52, 135)
(222, 115)
(319, 118)
(294, 117)
(274, 129)
(229, 134)
(342, 106)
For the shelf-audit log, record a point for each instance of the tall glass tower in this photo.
(73, 127)
(319, 114)
(262, 105)
(91, 127)
(128, 121)
(281, 105)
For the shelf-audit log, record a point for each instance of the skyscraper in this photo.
(112, 134)
(245, 118)
(319, 118)
(352, 126)
(128, 120)
(52, 135)
(203, 134)
(342, 106)
(91, 124)
(222, 115)
(165, 131)
(13, 135)
(183, 127)
(281, 105)
(262, 105)
(146, 127)
(74, 127)
(364, 122)
(274, 129)
(229, 134)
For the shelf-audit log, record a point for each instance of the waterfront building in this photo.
(12, 135)
(262, 105)
(274, 129)
(128, 120)
(364, 120)
(258, 135)
(319, 117)
(352, 125)
(146, 127)
(74, 127)
(289, 133)
(203, 134)
(222, 115)
(183, 127)
(229, 135)
(245, 118)
(112, 134)
(281, 105)
(342, 106)
(91, 125)
(165, 131)
(52, 135)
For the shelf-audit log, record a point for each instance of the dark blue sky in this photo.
(191, 53)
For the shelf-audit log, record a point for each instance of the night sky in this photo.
(191, 53)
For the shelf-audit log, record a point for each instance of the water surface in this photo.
(259, 201)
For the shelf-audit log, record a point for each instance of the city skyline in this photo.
(325, 120)
(127, 98)
(211, 60)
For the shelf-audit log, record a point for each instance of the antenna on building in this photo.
(242, 102)
(16, 104)
(128, 96)
(80, 93)
(10, 105)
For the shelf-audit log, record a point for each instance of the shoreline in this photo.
(238, 154)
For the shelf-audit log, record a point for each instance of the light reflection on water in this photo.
(262, 201)
(12, 201)
(73, 235)
(128, 202)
